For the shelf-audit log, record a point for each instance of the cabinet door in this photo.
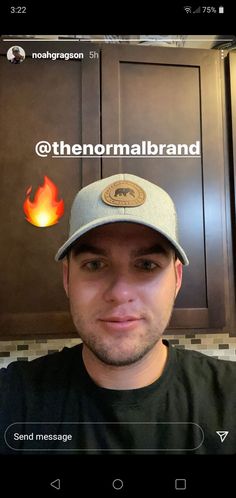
(173, 96)
(232, 173)
(232, 66)
(48, 100)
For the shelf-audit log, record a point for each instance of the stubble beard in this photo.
(126, 352)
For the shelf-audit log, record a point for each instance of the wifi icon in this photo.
(188, 9)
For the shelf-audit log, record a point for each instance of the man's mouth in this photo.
(120, 322)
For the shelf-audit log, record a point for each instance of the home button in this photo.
(117, 484)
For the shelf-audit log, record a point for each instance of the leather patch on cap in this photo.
(123, 193)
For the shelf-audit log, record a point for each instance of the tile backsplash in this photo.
(219, 345)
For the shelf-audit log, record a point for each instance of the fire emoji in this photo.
(45, 210)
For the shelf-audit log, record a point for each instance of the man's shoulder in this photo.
(202, 365)
(46, 365)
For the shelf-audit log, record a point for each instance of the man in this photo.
(124, 389)
(17, 57)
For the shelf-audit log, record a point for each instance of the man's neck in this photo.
(140, 374)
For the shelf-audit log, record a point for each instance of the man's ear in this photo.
(65, 264)
(178, 273)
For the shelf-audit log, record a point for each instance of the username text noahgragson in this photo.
(58, 55)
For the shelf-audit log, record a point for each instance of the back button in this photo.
(56, 484)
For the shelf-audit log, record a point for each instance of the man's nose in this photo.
(120, 289)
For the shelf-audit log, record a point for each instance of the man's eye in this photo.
(147, 265)
(94, 265)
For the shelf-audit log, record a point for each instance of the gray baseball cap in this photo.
(119, 198)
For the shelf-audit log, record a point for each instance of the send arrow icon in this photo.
(222, 434)
(56, 484)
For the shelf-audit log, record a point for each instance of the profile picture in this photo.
(16, 54)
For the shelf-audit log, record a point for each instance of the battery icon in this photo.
(221, 9)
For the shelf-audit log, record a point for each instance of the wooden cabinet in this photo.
(231, 154)
(48, 100)
(128, 95)
(232, 107)
(173, 96)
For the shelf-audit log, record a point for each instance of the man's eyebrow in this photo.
(88, 248)
(156, 249)
(83, 248)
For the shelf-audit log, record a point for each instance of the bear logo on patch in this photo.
(123, 194)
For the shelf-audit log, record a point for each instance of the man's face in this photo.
(121, 280)
(16, 54)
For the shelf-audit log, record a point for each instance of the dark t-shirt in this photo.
(180, 413)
